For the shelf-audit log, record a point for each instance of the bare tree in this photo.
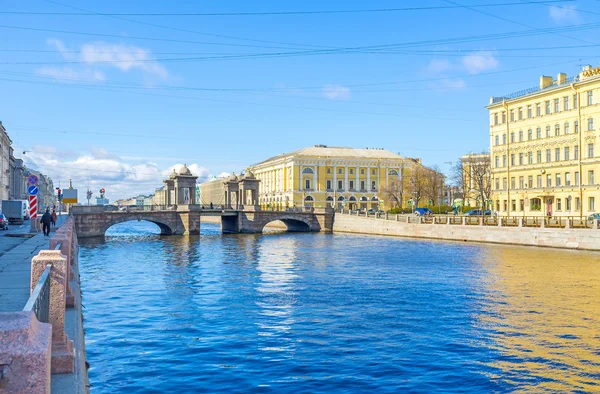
(481, 179)
(419, 183)
(395, 190)
(435, 183)
(457, 177)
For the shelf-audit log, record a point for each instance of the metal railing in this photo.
(532, 90)
(39, 300)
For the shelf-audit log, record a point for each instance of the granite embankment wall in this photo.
(566, 238)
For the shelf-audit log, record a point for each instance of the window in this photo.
(497, 161)
(505, 205)
(351, 185)
(566, 127)
(307, 184)
(576, 152)
(362, 185)
(547, 131)
(547, 107)
(529, 112)
(567, 179)
(521, 205)
(559, 204)
(590, 97)
(529, 157)
(504, 184)
(340, 185)
(512, 137)
(529, 134)
(503, 139)
(538, 109)
(521, 182)
(373, 185)
(496, 119)
(591, 124)
(520, 113)
(503, 160)
(512, 115)
(548, 180)
(591, 204)
(548, 156)
(590, 150)
(535, 204)
(362, 171)
(351, 171)
(497, 205)
(556, 103)
(539, 181)
(520, 135)
(576, 123)
(373, 171)
(512, 182)
(568, 203)
(539, 156)
(575, 101)
(328, 185)
(329, 170)
(496, 140)
(521, 155)
(557, 154)
(577, 178)
(512, 159)
(308, 171)
(529, 181)
(556, 130)
(503, 117)
(591, 177)
(497, 184)
(567, 157)
(513, 204)
(538, 133)
(577, 204)
(566, 103)
(558, 180)
(339, 170)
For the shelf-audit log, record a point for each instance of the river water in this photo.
(307, 313)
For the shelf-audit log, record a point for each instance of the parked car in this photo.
(3, 222)
(478, 212)
(594, 216)
(423, 211)
(371, 211)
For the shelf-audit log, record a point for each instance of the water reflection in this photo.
(544, 308)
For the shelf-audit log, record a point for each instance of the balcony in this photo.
(363, 190)
(329, 190)
(308, 190)
(340, 190)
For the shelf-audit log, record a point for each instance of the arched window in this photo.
(363, 198)
(393, 172)
(329, 198)
(308, 171)
(341, 198)
(352, 198)
(309, 198)
(374, 198)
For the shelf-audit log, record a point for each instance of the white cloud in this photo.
(480, 62)
(439, 65)
(337, 92)
(564, 14)
(223, 175)
(68, 73)
(456, 83)
(99, 54)
(100, 168)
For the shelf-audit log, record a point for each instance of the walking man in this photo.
(46, 220)
(53, 217)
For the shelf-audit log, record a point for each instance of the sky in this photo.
(115, 94)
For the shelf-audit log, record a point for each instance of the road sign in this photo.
(70, 196)
(33, 180)
(33, 207)
(409, 202)
(32, 190)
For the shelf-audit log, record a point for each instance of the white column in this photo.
(334, 177)
(301, 180)
(315, 178)
(368, 178)
(357, 184)
(346, 168)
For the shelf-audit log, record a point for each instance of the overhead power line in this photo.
(266, 13)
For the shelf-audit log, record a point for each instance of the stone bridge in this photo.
(93, 221)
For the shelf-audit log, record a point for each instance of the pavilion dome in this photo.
(185, 171)
(173, 174)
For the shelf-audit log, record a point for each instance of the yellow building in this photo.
(543, 147)
(321, 175)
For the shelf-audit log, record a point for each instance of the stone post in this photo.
(595, 224)
(63, 355)
(397, 218)
(543, 224)
(568, 223)
(499, 221)
(480, 221)
(25, 348)
(66, 248)
(386, 216)
(463, 220)
(520, 222)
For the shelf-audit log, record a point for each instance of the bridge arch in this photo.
(293, 223)
(166, 228)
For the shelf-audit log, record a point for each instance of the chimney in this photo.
(545, 82)
(561, 79)
(587, 67)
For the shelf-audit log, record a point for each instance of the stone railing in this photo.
(30, 351)
(500, 221)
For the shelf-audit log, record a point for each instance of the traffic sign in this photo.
(33, 180)
(32, 190)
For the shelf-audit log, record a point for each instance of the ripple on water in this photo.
(335, 313)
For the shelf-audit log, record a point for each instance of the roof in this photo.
(336, 151)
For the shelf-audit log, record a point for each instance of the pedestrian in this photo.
(46, 220)
(54, 218)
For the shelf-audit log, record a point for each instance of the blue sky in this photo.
(116, 101)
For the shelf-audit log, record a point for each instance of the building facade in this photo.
(5, 155)
(476, 176)
(323, 176)
(543, 147)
